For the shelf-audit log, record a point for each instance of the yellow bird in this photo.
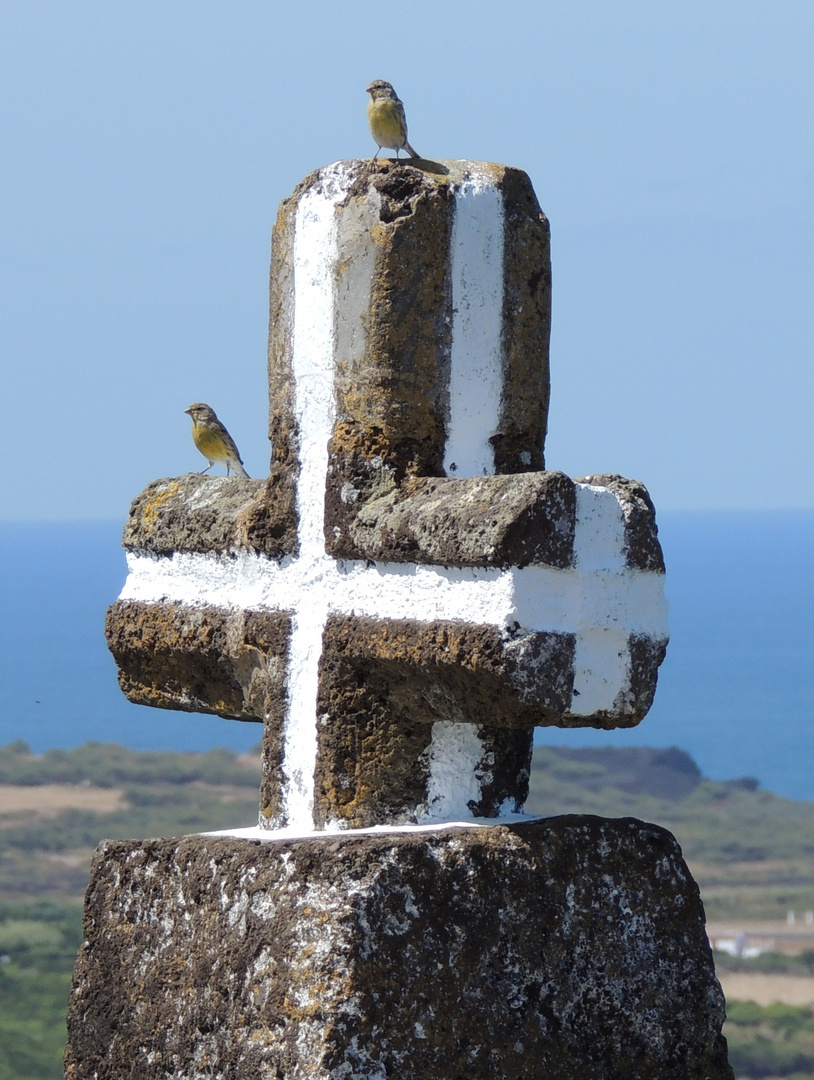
(213, 440)
(385, 114)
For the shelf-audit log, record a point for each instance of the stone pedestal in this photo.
(571, 948)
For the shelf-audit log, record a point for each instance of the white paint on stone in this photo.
(315, 252)
(600, 600)
(300, 727)
(601, 670)
(602, 606)
(602, 657)
(476, 374)
(600, 529)
(534, 597)
(454, 754)
(255, 832)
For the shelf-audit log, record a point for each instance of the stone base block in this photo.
(570, 947)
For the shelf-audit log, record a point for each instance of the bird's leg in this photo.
(206, 470)
(375, 155)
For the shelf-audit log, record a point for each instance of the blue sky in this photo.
(146, 146)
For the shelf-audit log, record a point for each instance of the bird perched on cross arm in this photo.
(385, 114)
(213, 440)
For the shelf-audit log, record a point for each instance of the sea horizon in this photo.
(735, 690)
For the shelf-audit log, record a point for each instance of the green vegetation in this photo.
(772, 1041)
(38, 946)
(45, 853)
(125, 794)
(751, 852)
(110, 765)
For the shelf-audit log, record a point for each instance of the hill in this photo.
(751, 852)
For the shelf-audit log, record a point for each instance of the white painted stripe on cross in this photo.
(600, 600)
(477, 323)
(534, 597)
(315, 240)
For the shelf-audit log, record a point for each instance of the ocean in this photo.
(736, 690)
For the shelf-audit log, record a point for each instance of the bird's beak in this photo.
(188, 411)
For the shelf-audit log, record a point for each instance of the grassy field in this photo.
(751, 852)
(38, 946)
(54, 810)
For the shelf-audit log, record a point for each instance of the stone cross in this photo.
(401, 603)
(410, 593)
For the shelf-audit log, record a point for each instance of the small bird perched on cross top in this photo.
(385, 114)
(214, 441)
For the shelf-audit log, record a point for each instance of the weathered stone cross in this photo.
(402, 601)
(409, 594)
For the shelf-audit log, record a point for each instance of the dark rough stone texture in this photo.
(382, 687)
(392, 332)
(200, 659)
(520, 441)
(473, 673)
(482, 521)
(392, 341)
(211, 660)
(371, 760)
(646, 656)
(387, 500)
(642, 545)
(204, 514)
(454, 671)
(571, 947)
(540, 673)
(383, 684)
(283, 430)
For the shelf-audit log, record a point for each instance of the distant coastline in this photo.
(736, 690)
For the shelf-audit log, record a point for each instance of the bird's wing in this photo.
(398, 110)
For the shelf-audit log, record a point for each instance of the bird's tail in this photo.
(236, 466)
(410, 150)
